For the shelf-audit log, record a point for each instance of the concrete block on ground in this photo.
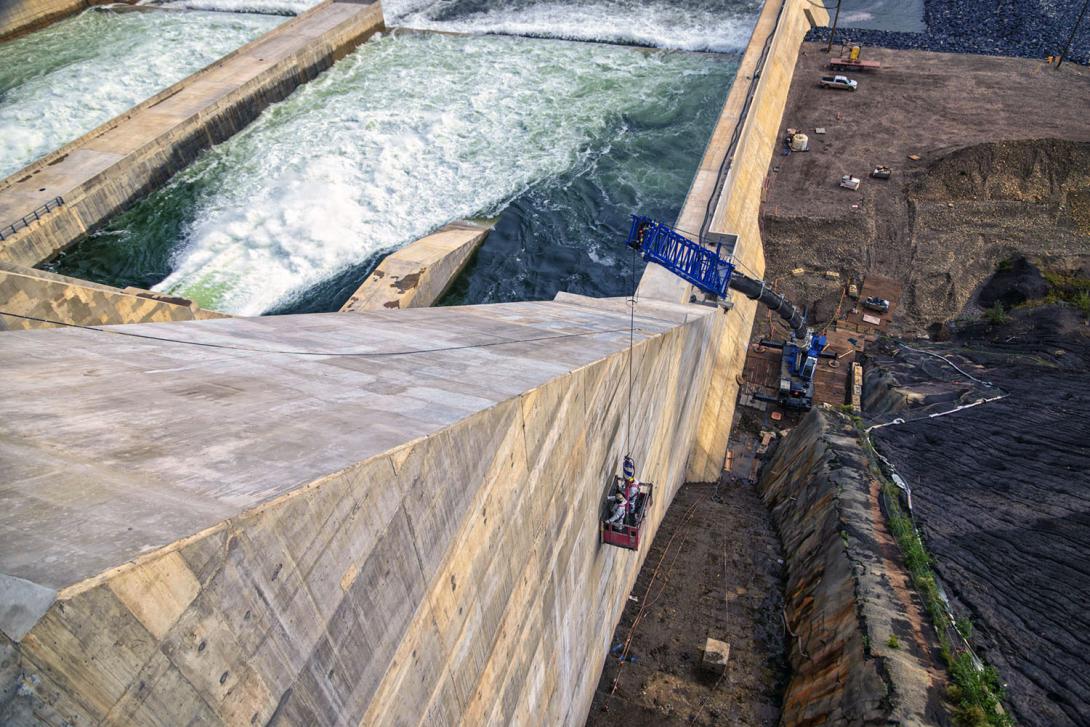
(716, 656)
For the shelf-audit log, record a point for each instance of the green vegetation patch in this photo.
(1071, 289)
(975, 691)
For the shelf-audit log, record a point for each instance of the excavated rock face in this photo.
(1002, 495)
(847, 592)
(1039, 171)
(944, 227)
(978, 206)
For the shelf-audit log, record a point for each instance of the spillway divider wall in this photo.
(747, 129)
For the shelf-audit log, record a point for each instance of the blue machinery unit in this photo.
(715, 275)
(797, 366)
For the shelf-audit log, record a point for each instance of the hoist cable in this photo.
(631, 343)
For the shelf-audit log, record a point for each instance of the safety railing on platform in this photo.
(25, 220)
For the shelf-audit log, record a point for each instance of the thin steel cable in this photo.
(631, 344)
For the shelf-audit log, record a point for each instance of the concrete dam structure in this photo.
(419, 549)
(18, 17)
(377, 517)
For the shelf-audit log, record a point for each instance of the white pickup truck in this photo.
(838, 82)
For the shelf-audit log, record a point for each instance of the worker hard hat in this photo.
(629, 467)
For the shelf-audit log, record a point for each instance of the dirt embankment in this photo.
(1003, 168)
(714, 569)
(1002, 495)
(860, 648)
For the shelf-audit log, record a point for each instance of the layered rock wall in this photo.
(861, 651)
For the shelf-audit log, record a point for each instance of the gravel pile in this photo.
(1020, 28)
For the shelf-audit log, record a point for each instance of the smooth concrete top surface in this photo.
(48, 178)
(114, 445)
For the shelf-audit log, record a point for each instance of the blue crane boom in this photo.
(690, 261)
(715, 274)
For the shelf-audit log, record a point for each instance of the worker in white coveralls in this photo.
(631, 486)
(620, 509)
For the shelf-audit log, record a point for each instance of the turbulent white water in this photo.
(399, 138)
(268, 7)
(61, 82)
(697, 25)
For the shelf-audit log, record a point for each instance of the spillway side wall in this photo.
(35, 299)
(455, 579)
(737, 211)
(19, 17)
(146, 168)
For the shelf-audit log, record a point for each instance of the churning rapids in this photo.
(61, 82)
(697, 25)
(560, 140)
(405, 135)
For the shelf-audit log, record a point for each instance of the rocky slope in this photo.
(1002, 494)
(1025, 28)
(860, 649)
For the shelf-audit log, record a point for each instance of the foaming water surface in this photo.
(267, 7)
(411, 132)
(59, 83)
(696, 25)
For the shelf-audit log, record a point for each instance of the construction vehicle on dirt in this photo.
(716, 274)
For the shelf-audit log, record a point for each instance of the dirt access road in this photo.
(941, 223)
(714, 569)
